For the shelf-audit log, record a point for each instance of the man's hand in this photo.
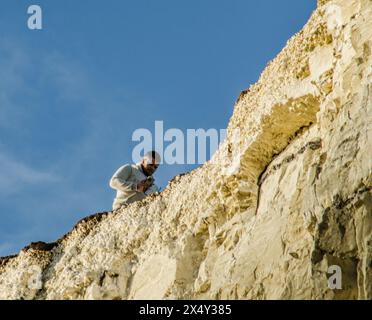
(143, 185)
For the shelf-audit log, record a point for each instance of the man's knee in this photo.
(116, 206)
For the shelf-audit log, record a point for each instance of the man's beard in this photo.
(146, 172)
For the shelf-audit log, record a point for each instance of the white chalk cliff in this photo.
(280, 202)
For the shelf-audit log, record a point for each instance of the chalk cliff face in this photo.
(288, 194)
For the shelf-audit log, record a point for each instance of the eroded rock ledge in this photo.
(281, 201)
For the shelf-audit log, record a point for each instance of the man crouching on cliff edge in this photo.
(134, 182)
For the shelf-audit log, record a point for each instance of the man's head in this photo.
(150, 162)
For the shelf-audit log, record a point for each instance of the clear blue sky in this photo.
(72, 94)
